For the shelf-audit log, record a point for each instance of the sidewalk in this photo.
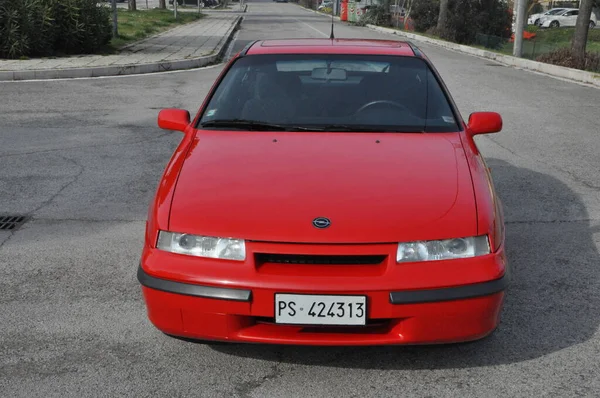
(188, 46)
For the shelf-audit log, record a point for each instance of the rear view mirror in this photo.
(484, 123)
(328, 74)
(173, 119)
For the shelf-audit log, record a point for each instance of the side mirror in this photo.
(173, 119)
(484, 123)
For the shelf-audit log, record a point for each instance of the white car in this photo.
(325, 4)
(568, 17)
(535, 19)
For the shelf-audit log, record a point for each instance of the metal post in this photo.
(147, 5)
(175, 7)
(115, 30)
(519, 27)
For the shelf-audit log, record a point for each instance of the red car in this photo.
(327, 192)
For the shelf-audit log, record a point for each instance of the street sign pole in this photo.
(519, 27)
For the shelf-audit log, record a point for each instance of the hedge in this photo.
(52, 27)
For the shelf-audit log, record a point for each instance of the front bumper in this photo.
(399, 297)
(407, 304)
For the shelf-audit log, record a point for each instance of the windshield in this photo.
(330, 92)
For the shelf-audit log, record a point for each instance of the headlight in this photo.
(202, 246)
(442, 249)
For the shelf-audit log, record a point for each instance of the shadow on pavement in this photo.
(551, 304)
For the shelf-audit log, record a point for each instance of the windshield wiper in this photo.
(251, 125)
(366, 128)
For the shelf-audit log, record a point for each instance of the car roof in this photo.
(332, 46)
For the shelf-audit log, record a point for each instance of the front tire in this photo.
(537, 22)
(592, 25)
(554, 24)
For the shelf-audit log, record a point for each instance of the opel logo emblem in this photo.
(321, 222)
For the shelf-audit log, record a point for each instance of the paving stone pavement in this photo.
(192, 45)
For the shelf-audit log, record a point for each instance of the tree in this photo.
(162, 4)
(443, 15)
(132, 5)
(579, 41)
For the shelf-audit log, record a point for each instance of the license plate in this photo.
(305, 309)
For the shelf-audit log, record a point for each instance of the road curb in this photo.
(120, 70)
(541, 67)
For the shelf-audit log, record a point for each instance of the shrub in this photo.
(564, 57)
(467, 18)
(375, 15)
(425, 14)
(50, 27)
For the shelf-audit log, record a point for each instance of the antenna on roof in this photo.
(331, 36)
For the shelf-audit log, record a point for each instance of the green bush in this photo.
(467, 18)
(375, 15)
(52, 27)
(425, 14)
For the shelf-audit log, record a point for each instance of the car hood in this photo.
(270, 186)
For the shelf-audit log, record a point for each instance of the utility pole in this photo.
(519, 27)
(115, 30)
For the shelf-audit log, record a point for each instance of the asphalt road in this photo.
(84, 158)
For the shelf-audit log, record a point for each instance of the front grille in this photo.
(262, 258)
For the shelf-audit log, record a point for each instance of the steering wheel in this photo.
(387, 103)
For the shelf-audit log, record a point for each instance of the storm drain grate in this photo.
(11, 222)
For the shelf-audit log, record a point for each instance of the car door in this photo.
(569, 18)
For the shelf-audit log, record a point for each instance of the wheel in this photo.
(382, 103)
(554, 24)
(537, 22)
(592, 24)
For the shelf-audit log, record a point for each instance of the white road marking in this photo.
(313, 28)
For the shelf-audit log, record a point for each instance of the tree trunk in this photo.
(162, 4)
(115, 24)
(132, 5)
(580, 36)
(443, 16)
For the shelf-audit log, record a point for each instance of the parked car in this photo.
(535, 19)
(325, 4)
(567, 17)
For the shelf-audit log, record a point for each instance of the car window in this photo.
(554, 12)
(332, 92)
